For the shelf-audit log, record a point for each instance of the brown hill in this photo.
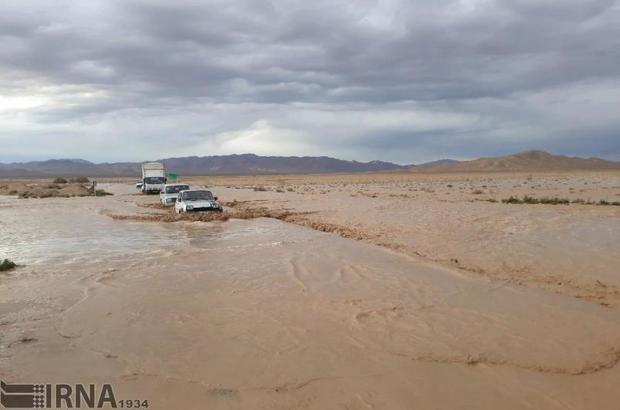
(524, 161)
(244, 164)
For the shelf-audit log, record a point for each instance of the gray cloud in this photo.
(373, 79)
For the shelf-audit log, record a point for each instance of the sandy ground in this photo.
(266, 314)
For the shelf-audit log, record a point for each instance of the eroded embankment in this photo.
(64, 189)
(596, 291)
(244, 210)
(236, 211)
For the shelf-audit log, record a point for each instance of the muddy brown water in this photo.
(261, 314)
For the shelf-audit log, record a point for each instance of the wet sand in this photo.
(264, 314)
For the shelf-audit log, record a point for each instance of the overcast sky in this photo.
(397, 80)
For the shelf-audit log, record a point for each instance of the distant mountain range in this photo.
(439, 162)
(523, 161)
(243, 164)
(248, 164)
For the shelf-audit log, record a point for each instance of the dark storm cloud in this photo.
(482, 74)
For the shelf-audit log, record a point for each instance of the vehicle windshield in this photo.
(154, 180)
(197, 196)
(175, 189)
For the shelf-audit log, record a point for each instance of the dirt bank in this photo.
(44, 189)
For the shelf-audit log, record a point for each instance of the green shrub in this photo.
(512, 200)
(7, 265)
(554, 201)
(81, 180)
(60, 180)
(533, 201)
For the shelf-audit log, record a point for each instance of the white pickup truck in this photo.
(153, 177)
(196, 200)
(170, 192)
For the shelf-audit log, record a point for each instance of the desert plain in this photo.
(337, 291)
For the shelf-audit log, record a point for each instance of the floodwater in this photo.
(260, 314)
(77, 236)
(60, 236)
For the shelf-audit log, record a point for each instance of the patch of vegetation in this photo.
(478, 192)
(60, 180)
(555, 201)
(260, 188)
(533, 201)
(512, 200)
(81, 180)
(604, 202)
(7, 265)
